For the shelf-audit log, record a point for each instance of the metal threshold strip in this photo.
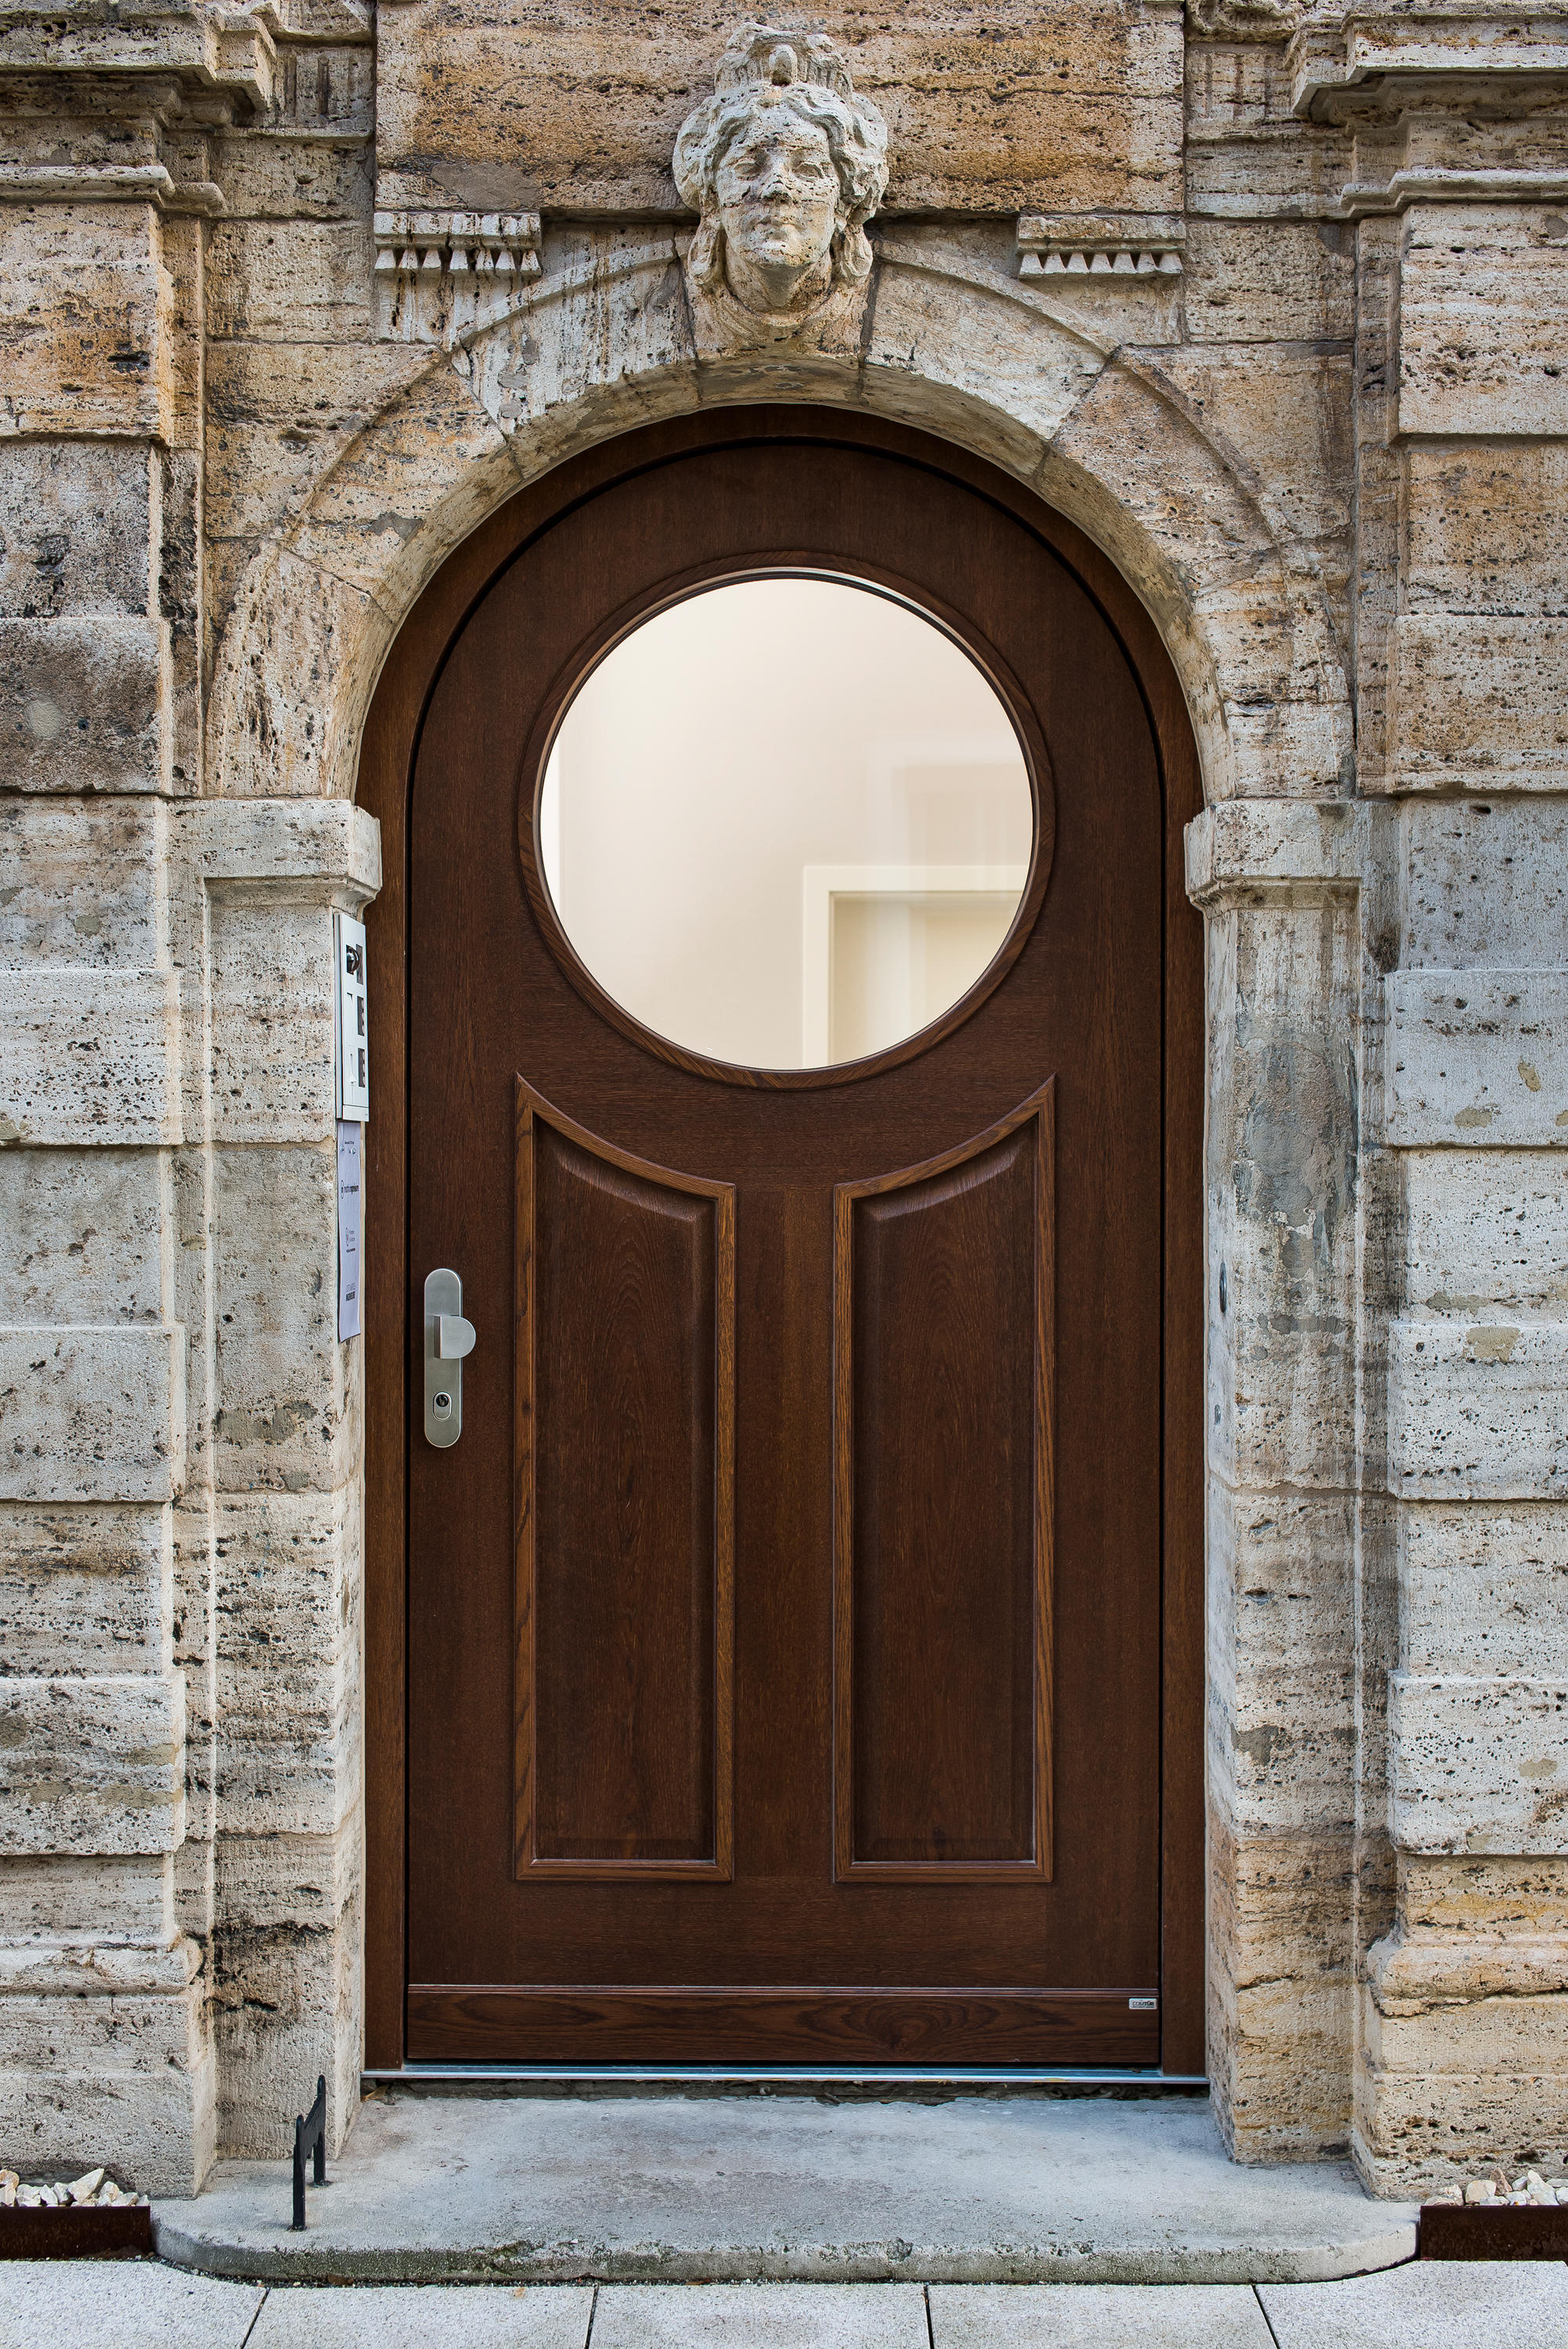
(867, 2080)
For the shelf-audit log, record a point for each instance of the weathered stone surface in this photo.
(512, 109)
(84, 705)
(1484, 1588)
(1485, 1234)
(85, 1590)
(92, 1765)
(107, 1899)
(78, 529)
(83, 304)
(85, 1232)
(289, 281)
(92, 1414)
(1478, 704)
(279, 418)
(128, 2082)
(1479, 532)
(1478, 1057)
(1283, 283)
(273, 1038)
(1478, 1765)
(1486, 882)
(285, 1415)
(1477, 1411)
(85, 882)
(1483, 321)
(88, 1056)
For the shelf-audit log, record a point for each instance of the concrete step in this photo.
(684, 2189)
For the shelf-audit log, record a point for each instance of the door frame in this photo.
(386, 774)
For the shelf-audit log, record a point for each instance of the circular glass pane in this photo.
(786, 822)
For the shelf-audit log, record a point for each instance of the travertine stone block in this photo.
(89, 1056)
(1478, 1765)
(92, 1765)
(947, 332)
(1485, 1234)
(85, 1590)
(1483, 530)
(84, 304)
(286, 1417)
(78, 529)
(272, 1033)
(513, 107)
(92, 1414)
(1477, 1411)
(281, 415)
(1478, 704)
(1477, 1056)
(86, 880)
(84, 705)
(1281, 1992)
(1288, 417)
(312, 178)
(1282, 1721)
(109, 1900)
(292, 681)
(140, 2097)
(324, 851)
(1483, 321)
(1486, 882)
(1484, 1589)
(288, 1994)
(1416, 2132)
(1449, 1898)
(1269, 282)
(84, 1229)
(1284, 1156)
(290, 281)
(437, 458)
(1271, 852)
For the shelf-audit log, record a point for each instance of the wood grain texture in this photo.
(419, 1616)
(799, 2023)
(625, 1507)
(942, 1511)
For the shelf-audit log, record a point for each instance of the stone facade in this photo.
(1271, 300)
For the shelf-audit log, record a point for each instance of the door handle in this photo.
(448, 1341)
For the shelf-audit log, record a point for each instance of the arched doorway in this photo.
(799, 1657)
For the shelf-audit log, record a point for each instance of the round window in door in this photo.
(786, 822)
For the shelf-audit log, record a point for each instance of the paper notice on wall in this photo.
(350, 1228)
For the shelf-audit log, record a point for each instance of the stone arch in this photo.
(604, 342)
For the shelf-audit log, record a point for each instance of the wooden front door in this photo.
(785, 1631)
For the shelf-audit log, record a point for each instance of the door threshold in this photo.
(863, 2083)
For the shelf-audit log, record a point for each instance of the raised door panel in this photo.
(942, 1511)
(624, 1454)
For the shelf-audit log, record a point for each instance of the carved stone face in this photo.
(777, 194)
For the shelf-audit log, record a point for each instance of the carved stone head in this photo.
(785, 166)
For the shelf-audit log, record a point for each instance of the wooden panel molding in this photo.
(460, 2023)
(625, 1465)
(943, 1358)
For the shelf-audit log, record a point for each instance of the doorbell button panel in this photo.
(448, 1341)
(353, 1054)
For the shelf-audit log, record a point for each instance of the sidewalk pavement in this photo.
(143, 2304)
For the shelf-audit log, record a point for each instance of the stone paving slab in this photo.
(1431, 2305)
(425, 2316)
(100, 2304)
(761, 2317)
(1098, 2316)
(1019, 2190)
(120, 2304)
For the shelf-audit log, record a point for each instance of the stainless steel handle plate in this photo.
(448, 1340)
